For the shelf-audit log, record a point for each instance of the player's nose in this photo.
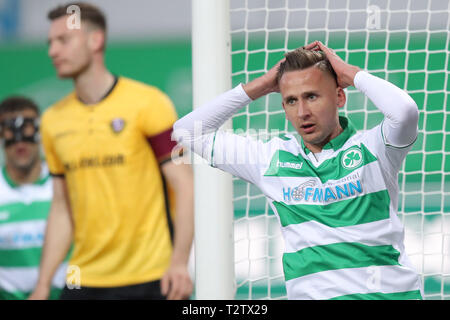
(53, 50)
(303, 110)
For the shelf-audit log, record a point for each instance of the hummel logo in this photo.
(291, 165)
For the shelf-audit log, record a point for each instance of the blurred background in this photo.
(147, 40)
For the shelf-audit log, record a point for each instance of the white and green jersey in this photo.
(23, 215)
(337, 209)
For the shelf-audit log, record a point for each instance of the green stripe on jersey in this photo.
(18, 212)
(363, 209)
(29, 257)
(286, 164)
(284, 137)
(337, 256)
(55, 293)
(407, 295)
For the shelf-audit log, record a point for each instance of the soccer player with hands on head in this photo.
(333, 189)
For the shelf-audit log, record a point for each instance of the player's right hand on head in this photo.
(272, 76)
(265, 84)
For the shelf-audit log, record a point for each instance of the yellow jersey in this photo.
(110, 155)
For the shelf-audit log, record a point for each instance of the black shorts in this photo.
(144, 291)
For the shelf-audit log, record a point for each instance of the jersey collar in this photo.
(116, 80)
(338, 141)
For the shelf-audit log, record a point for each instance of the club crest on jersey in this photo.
(352, 158)
(117, 125)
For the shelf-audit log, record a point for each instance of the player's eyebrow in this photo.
(309, 93)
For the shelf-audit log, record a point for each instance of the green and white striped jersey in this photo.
(23, 215)
(337, 211)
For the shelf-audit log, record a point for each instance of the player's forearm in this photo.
(183, 185)
(183, 229)
(400, 110)
(210, 117)
(58, 238)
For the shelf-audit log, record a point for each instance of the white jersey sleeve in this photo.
(393, 138)
(242, 156)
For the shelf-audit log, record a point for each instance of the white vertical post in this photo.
(211, 68)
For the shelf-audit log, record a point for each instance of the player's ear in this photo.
(341, 97)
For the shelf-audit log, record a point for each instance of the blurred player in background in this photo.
(25, 197)
(108, 146)
(333, 189)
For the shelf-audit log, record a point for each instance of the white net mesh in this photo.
(403, 41)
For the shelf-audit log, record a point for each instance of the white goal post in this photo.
(211, 70)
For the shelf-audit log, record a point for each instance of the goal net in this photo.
(403, 41)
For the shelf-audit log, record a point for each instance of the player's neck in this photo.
(317, 148)
(22, 176)
(93, 84)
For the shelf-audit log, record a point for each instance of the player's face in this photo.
(21, 155)
(68, 48)
(311, 99)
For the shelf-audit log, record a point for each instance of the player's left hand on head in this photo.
(344, 71)
(176, 284)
